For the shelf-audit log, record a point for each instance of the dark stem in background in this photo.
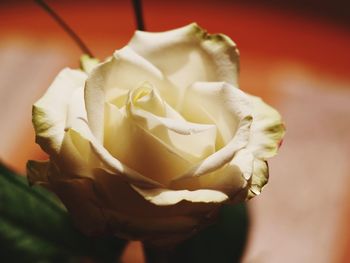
(65, 27)
(140, 25)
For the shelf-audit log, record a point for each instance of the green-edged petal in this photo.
(267, 130)
(259, 178)
(189, 54)
(88, 63)
(51, 111)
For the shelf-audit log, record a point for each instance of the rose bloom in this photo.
(151, 142)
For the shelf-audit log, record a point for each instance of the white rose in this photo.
(150, 142)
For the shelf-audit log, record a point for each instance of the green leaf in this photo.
(34, 227)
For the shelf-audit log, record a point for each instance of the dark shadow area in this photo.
(223, 242)
(34, 227)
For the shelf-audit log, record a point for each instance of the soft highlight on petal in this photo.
(234, 105)
(139, 149)
(193, 141)
(164, 197)
(50, 112)
(112, 80)
(231, 179)
(216, 103)
(189, 54)
(109, 162)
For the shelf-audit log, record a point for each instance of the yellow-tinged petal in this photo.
(95, 153)
(139, 149)
(88, 63)
(50, 112)
(216, 103)
(75, 156)
(267, 130)
(259, 178)
(231, 103)
(110, 81)
(231, 179)
(189, 54)
(193, 141)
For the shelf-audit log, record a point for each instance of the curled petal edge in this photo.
(49, 112)
(267, 130)
(239, 141)
(259, 179)
(219, 47)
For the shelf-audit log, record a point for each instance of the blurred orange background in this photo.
(295, 55)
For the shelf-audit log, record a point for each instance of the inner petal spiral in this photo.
(152, 138)
(193, 141)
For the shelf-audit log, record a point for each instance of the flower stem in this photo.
(140, 25)
(65, 27)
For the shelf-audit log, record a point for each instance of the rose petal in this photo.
(267, 129)
(164, 197)
(231, 179)
(76, 156)
(88, 63)
(50, 112)
(112, 79)
(259, 178)
(139, 149)
(78, 196)
(216, 103)
(229, 106)
(225, 154)
(191, 140)
(139, 218)
(189, 54)
(99, 153)
(114, 197)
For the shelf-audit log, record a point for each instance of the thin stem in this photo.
(140, 25)
(65, 27)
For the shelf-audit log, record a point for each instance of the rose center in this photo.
(154, 139)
